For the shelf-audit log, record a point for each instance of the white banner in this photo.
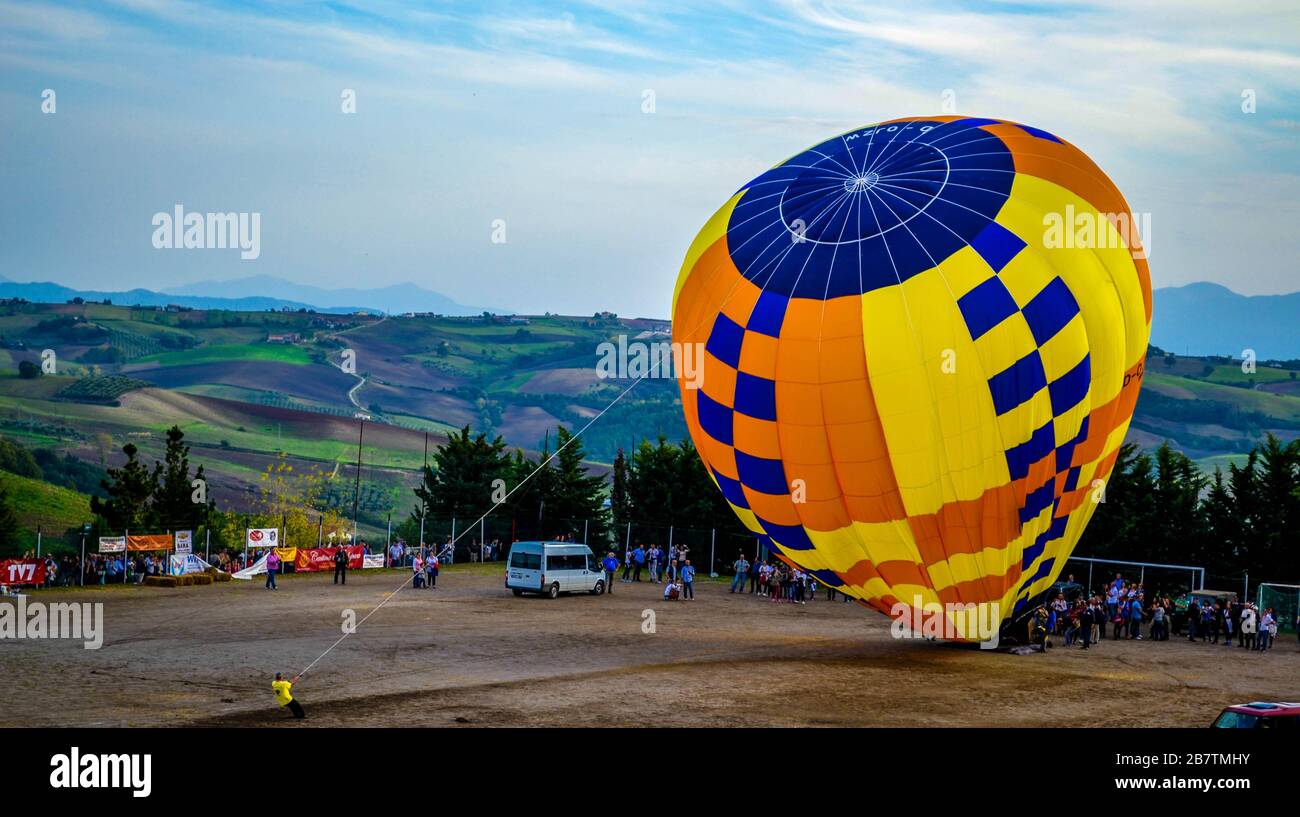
(255, 569)
(262, 537)
(184, 541)
(112, 544)
(186, 563)
(372, 560)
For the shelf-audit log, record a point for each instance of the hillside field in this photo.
(245, 386)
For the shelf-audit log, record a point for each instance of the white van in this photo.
(554, 568)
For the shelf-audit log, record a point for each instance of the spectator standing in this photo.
(688, 581)
(341, 565)
(638, 562)
(272, 567)
(610, 564)
(742, 571)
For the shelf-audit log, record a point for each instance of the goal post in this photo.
(1284, 599)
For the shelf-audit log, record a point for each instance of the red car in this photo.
(1260, 715)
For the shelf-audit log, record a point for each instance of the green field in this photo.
(279, 353)
(51, 507)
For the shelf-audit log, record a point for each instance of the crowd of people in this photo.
(670, 566)
(776, 581)
(97, 568)
(1123, 608)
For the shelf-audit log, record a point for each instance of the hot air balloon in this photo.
(923, 342)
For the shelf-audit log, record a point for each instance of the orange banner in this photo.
(152, 541)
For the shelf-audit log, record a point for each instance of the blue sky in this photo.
(532, 113)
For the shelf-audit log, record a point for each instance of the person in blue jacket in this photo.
(638, 562)
(610, 564)
(688, 581)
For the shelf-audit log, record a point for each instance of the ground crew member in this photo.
(284, 694)
(341, 565)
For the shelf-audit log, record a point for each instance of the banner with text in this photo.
(22, 571)
(112, 544)
(315, 559)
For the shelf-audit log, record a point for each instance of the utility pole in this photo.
(356, 490)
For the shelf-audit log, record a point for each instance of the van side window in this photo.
(525, 561)
(566, 561)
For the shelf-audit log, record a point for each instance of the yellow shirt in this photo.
(282, 693)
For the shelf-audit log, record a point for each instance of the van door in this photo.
(555, 570)
(525, 569)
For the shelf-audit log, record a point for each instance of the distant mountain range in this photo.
(1209, 319)
(1197, 319)
(262, 292)
(397, 298)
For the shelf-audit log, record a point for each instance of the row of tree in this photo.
(1157, 507)
(166, 496)
(1161, 507)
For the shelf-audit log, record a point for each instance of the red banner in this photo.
(311, 560)
(22, 571)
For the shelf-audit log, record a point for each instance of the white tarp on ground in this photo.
(183, 563)
(256, 569)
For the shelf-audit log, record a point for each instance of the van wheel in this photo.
(599, 589)
(554, 592)
(517, 593)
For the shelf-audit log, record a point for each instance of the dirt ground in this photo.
(470, 653)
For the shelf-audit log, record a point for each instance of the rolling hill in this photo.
(245, 386)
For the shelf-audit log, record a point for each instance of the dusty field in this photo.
(471, 653)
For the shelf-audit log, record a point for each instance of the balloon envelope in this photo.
(923, 342)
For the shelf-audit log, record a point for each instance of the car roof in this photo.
(1268, 709)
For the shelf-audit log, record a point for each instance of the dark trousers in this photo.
(340, 571)
(688, 590)
(609, 581)
(636, 572)
(296, 709)
(270, 579)
(753, 582)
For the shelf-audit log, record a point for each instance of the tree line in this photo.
(1160, 507)
(1156, 507)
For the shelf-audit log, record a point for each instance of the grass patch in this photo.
(53, 508)
(219, 353)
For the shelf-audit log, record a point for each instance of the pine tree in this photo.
(1279, 511)
(129, 489)
(1120, 527)
(173, 504)
(460, 483)
(618, 497)
(576, 496)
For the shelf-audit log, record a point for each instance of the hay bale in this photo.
(160, 581)
(201, 578)
(221, 577)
